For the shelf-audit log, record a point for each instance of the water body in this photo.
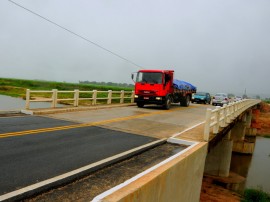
(256, 167)
(8, 103)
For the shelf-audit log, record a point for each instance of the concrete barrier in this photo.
(178, 178)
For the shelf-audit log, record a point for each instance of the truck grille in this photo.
(147, 92)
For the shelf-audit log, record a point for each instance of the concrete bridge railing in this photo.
(94, 96)
(220, 117)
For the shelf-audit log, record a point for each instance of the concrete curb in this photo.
(71, 109)
(4, 114)
(75, 174)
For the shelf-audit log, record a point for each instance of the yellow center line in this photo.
(43, 130)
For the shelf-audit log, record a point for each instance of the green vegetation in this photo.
(17, 88)
(266, 136)
(255, 195)
(267, 100)
(107, 84)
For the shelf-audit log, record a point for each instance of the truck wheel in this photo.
(140, 104)
(185, 101)
(168, 102)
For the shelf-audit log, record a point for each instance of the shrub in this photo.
(255, 195)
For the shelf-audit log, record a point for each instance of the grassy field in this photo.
(17, 87)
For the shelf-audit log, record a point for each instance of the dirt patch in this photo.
(216, 193)
(262, 120)
(90, 186)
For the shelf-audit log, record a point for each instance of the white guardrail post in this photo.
(54, 98)
(222, 117)
(217, 120)
(122, 94)
(225, 114)
(94, 97)
(132, 96)
(109, 97)
(76, 98)
(207, 124)
(27, 99)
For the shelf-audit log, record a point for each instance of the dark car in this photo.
(201, 97)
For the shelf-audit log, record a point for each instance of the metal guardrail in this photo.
(220, 117)
(93, 96)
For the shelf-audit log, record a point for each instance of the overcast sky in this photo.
(217, 45)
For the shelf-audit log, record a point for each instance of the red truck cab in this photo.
(158, 87)
(153, 87)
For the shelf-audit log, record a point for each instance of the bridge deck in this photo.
(35, 148)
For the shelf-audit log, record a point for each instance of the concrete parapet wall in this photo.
(179, 179)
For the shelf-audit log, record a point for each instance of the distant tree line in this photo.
(107, 83)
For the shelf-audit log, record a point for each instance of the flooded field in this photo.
(8, 103)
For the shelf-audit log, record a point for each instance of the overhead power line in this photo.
(68, 30)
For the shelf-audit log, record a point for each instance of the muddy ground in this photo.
(216, 193)
(262, 120)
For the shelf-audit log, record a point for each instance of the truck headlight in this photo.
(136, 96)
(158, 98)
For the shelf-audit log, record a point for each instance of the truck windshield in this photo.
(149, 77)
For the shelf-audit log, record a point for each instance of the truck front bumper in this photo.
(150, 100)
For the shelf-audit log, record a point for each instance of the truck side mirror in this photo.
(167, 78)
(132, 76)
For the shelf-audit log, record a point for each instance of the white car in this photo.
(238, 98)
(220, 99)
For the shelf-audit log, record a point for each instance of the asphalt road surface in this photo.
(21, 123)
(31, 158)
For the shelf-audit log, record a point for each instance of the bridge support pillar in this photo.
(238, 132)
(218, 160)
(244, 135)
